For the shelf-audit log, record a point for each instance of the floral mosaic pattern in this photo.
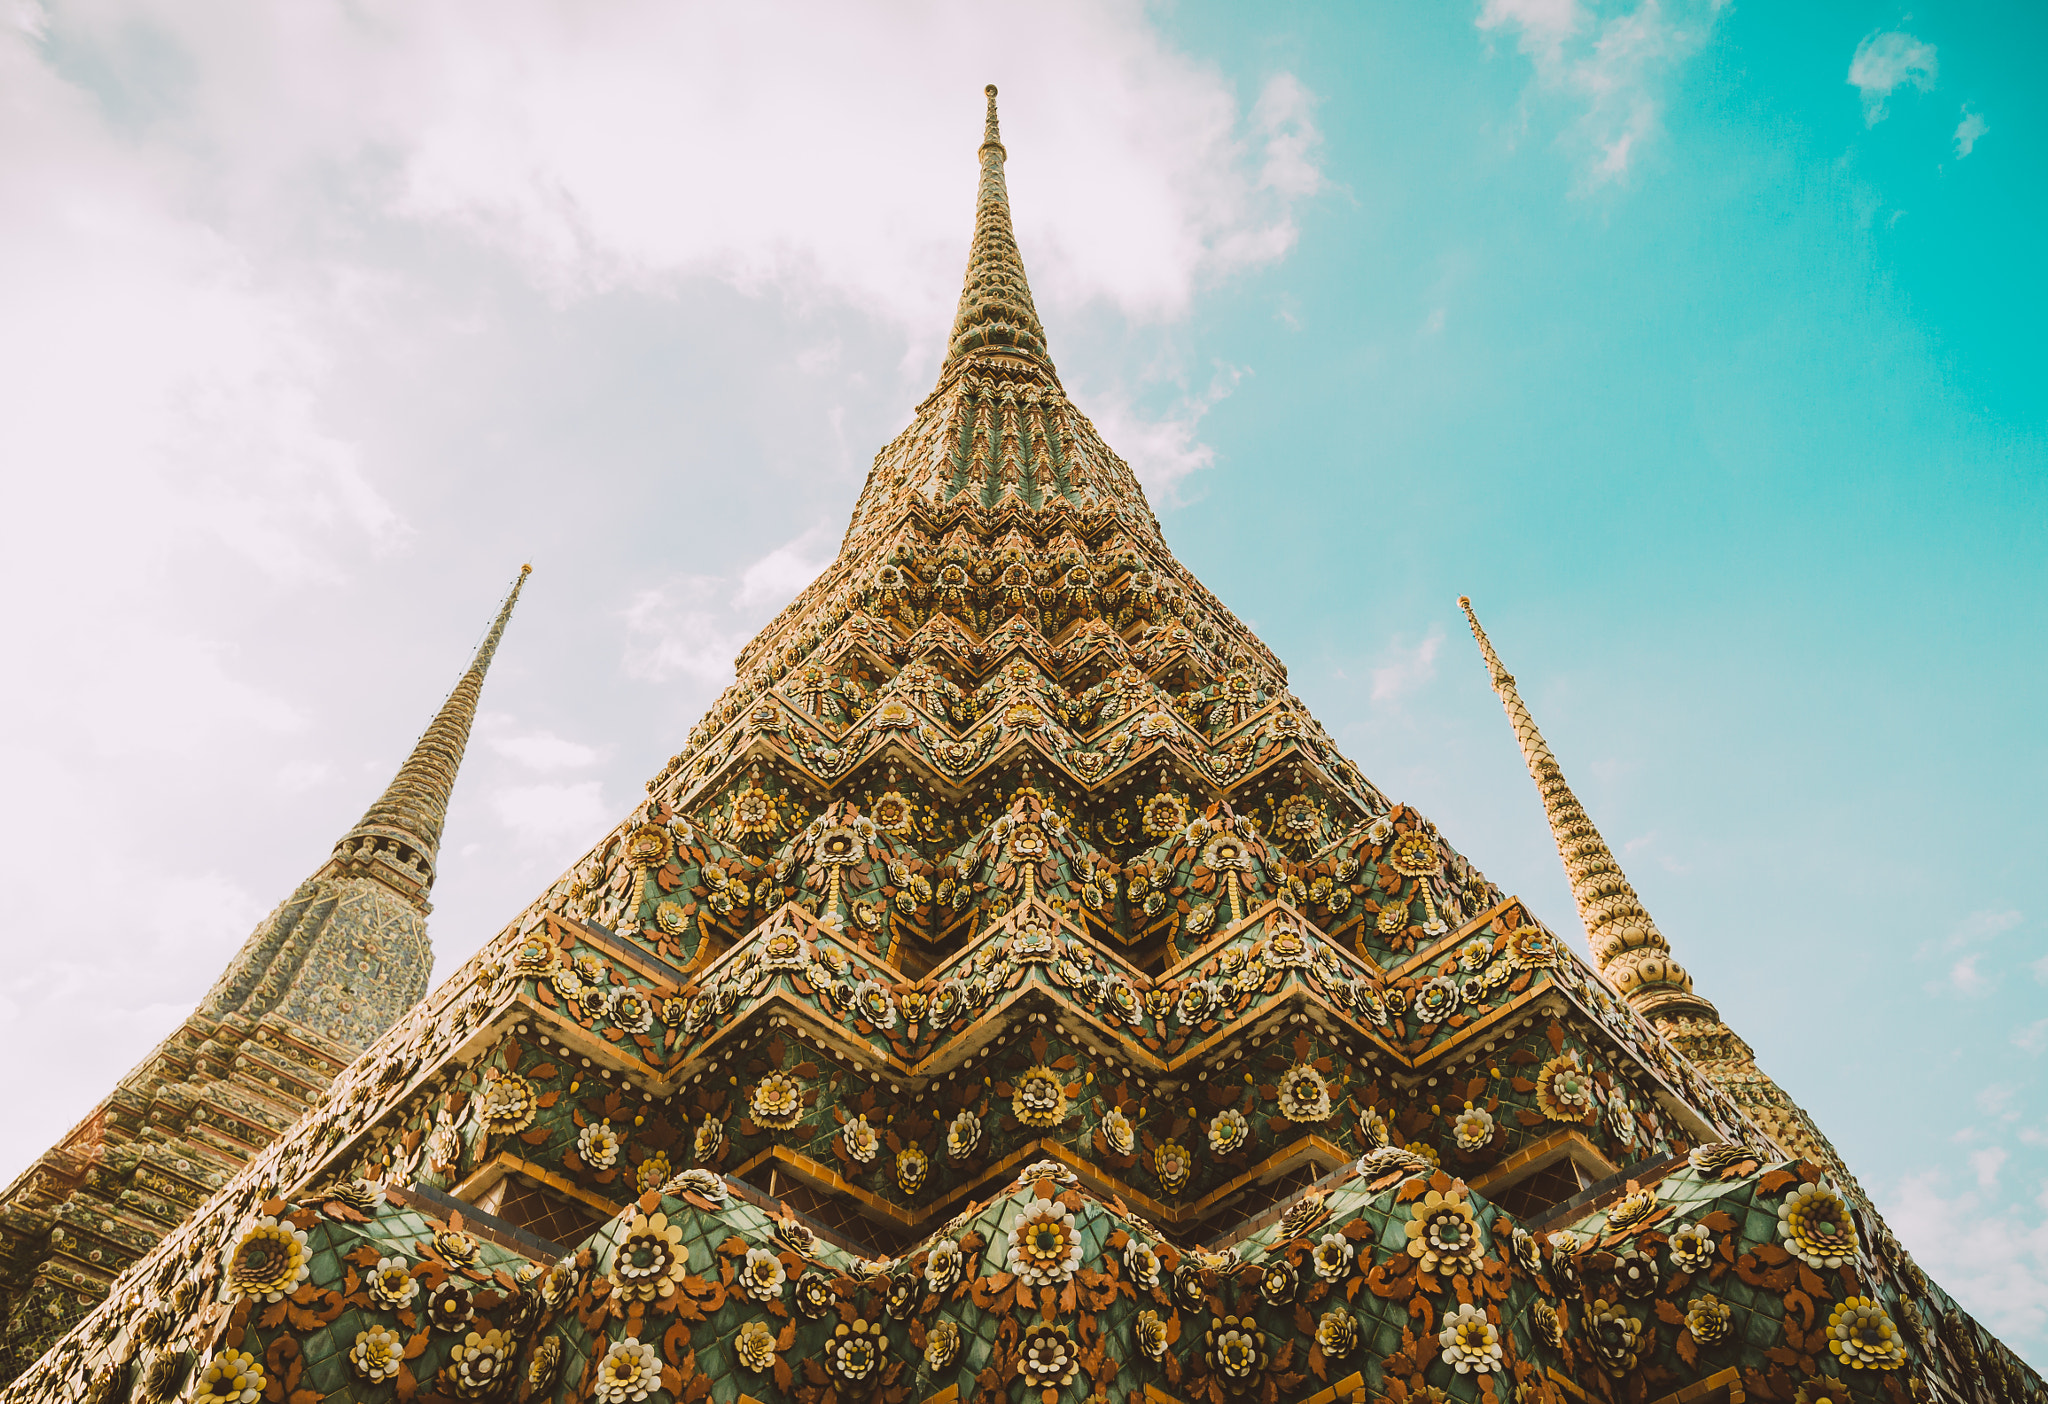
(1010, 904)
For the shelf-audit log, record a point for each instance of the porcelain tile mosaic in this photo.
(1008, 992)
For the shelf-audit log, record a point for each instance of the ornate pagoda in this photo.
(1010, 993)
(334, 966)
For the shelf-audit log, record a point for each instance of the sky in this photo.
(1697, 343)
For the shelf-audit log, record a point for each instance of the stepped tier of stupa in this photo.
(1010, 993)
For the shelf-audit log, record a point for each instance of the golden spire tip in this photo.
(1464, 602)
(991, 133)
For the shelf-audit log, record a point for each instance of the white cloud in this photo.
(678, 628)
(1986, 1164)
(1407, 668)
(1884, 62)
(1968, 131)
(553, 815)
(693, 625)
(1612, 68)
(1965, 975)
(537, 750)
(2033, 1038)
(1984, 925)
(1284, 117)
(1134, 169)
(1163, 450)
(1997, 1099)
(778, 577)
(1965, 978)
(296, 777)
(1992, 1254)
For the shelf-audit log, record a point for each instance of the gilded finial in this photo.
(1626, 943)
(408, 818)
(995, 300)
(991, 135)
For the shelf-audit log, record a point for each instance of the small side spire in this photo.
(398, 840)
(995, 303)
(1626, 943)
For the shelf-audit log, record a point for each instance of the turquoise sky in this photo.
(1741, 458)
(1699, 345)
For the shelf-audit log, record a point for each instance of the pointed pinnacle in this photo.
(996, 310)
(398, 840)
(1630, 950)
(991, 134)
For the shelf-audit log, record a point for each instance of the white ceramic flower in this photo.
(1472, 1129)
(1045, 1243)
(377, 1354)
(598, 1145)
(1304, 1095)
(944, 1265)
(1228, 1131)
(628, 1372)
(761, 1276)
(963, 1134)
(1692, 1248)
(1332, 1256)
(1471, 1343)
(860, 1139)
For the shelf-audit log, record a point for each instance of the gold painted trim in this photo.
(505, 1163)
(825, 1178)
(1567, 1144)
(1351, 1386)
(1729, 1379)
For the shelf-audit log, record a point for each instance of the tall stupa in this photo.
(336, 964)
(1009, 993)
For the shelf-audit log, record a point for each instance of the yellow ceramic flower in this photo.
(377, 1354)
(1170, 1161)
(1471, 1343)
(269, 1261)
(755, 1347)
(1564, 1090)
(1040, 1098)
(232, 1377)
(1443, 1233)
(480, 1364)
(1707, 1318)
(650, 1260)
(629, 1371)
(1815, 1225)
(1415, 855)
(1863, 1337)
(777, 1102)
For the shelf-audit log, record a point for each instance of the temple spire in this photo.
(996, 310)
(398, 840)
(1626, 943)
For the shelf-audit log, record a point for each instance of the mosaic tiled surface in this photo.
(1049, 1290)
(1010, 992)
